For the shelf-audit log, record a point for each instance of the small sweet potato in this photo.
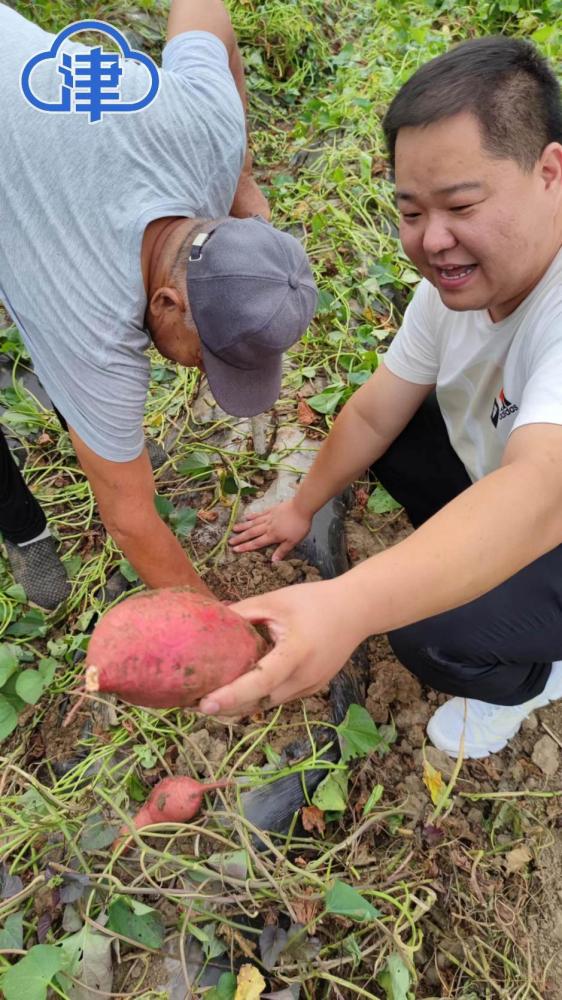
(172, 800)
(168, 648)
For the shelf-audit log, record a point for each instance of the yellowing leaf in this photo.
(433, 781)
(250, 983)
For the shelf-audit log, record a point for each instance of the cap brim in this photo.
(243, 392)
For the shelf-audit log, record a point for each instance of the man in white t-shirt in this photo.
(462, 421)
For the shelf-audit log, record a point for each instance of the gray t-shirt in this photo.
(75, 199)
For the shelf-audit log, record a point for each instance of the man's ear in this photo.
(551, 164)
(164, 301)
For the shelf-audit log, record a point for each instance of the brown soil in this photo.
(465, 860)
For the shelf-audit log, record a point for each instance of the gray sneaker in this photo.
(37, 567)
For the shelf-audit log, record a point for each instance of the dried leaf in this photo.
(250, 983)
(313, 819)
(516, 859)
(305, 414)
(88, 959)
(306, 908)
(209, 516)
(433, 781)
(433, 835)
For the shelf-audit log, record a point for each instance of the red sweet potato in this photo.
(172, 800)
(168, 648)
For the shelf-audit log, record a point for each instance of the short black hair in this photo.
(504, 82)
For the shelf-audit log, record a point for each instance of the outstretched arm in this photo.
(212, 16)
(368, 424)
(481, 538)
(125, 495)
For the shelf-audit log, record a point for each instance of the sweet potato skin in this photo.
(172, 800)
(168, 648)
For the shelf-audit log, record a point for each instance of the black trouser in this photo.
(21, 517)
(500, 647)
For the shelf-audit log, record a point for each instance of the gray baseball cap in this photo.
(252, 295)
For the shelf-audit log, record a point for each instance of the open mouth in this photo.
(455, 275)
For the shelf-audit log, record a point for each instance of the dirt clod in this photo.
(545, 755)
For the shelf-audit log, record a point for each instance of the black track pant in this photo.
(500, 647)
(21, 517)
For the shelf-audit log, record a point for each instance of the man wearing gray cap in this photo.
(144, 228)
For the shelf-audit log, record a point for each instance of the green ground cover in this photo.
(356, 909)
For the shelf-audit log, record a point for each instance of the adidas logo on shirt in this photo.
(502, 408)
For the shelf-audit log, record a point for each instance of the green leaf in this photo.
(374, 797)
(395, 822)
(196, 465)
(146, 756)
(17, 593)
(328, 400)
(31, 976)
(395, 978)
(31, 626)
(232, 863)
(225, 990)
(271, 755)
(164, 506)
(345, 901)
(72, 564)
(85, 618)
(47, 668)
(135, 789)
(8, 718)
(331, 794)
(8, 661)
(147, 928)
(381, 502)
(183, 521)
(30, 686)
(358, 735)
(11, 934)
(97, 833)
(127, 571)
(33, 803)
(212, 945)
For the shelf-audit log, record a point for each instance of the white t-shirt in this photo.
(490, 377)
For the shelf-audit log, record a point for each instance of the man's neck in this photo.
(157, 252)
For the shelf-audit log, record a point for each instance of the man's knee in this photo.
(425, 650)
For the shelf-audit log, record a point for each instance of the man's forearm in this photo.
(158, 557)
(487, 534)
(350, 448)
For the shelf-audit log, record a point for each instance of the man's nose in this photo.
(437, 236)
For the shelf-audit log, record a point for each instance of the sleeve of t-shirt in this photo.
(197, 57)
(104, 404)
(413, 354)
(541, 400)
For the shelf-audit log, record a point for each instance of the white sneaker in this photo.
(487, 728)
